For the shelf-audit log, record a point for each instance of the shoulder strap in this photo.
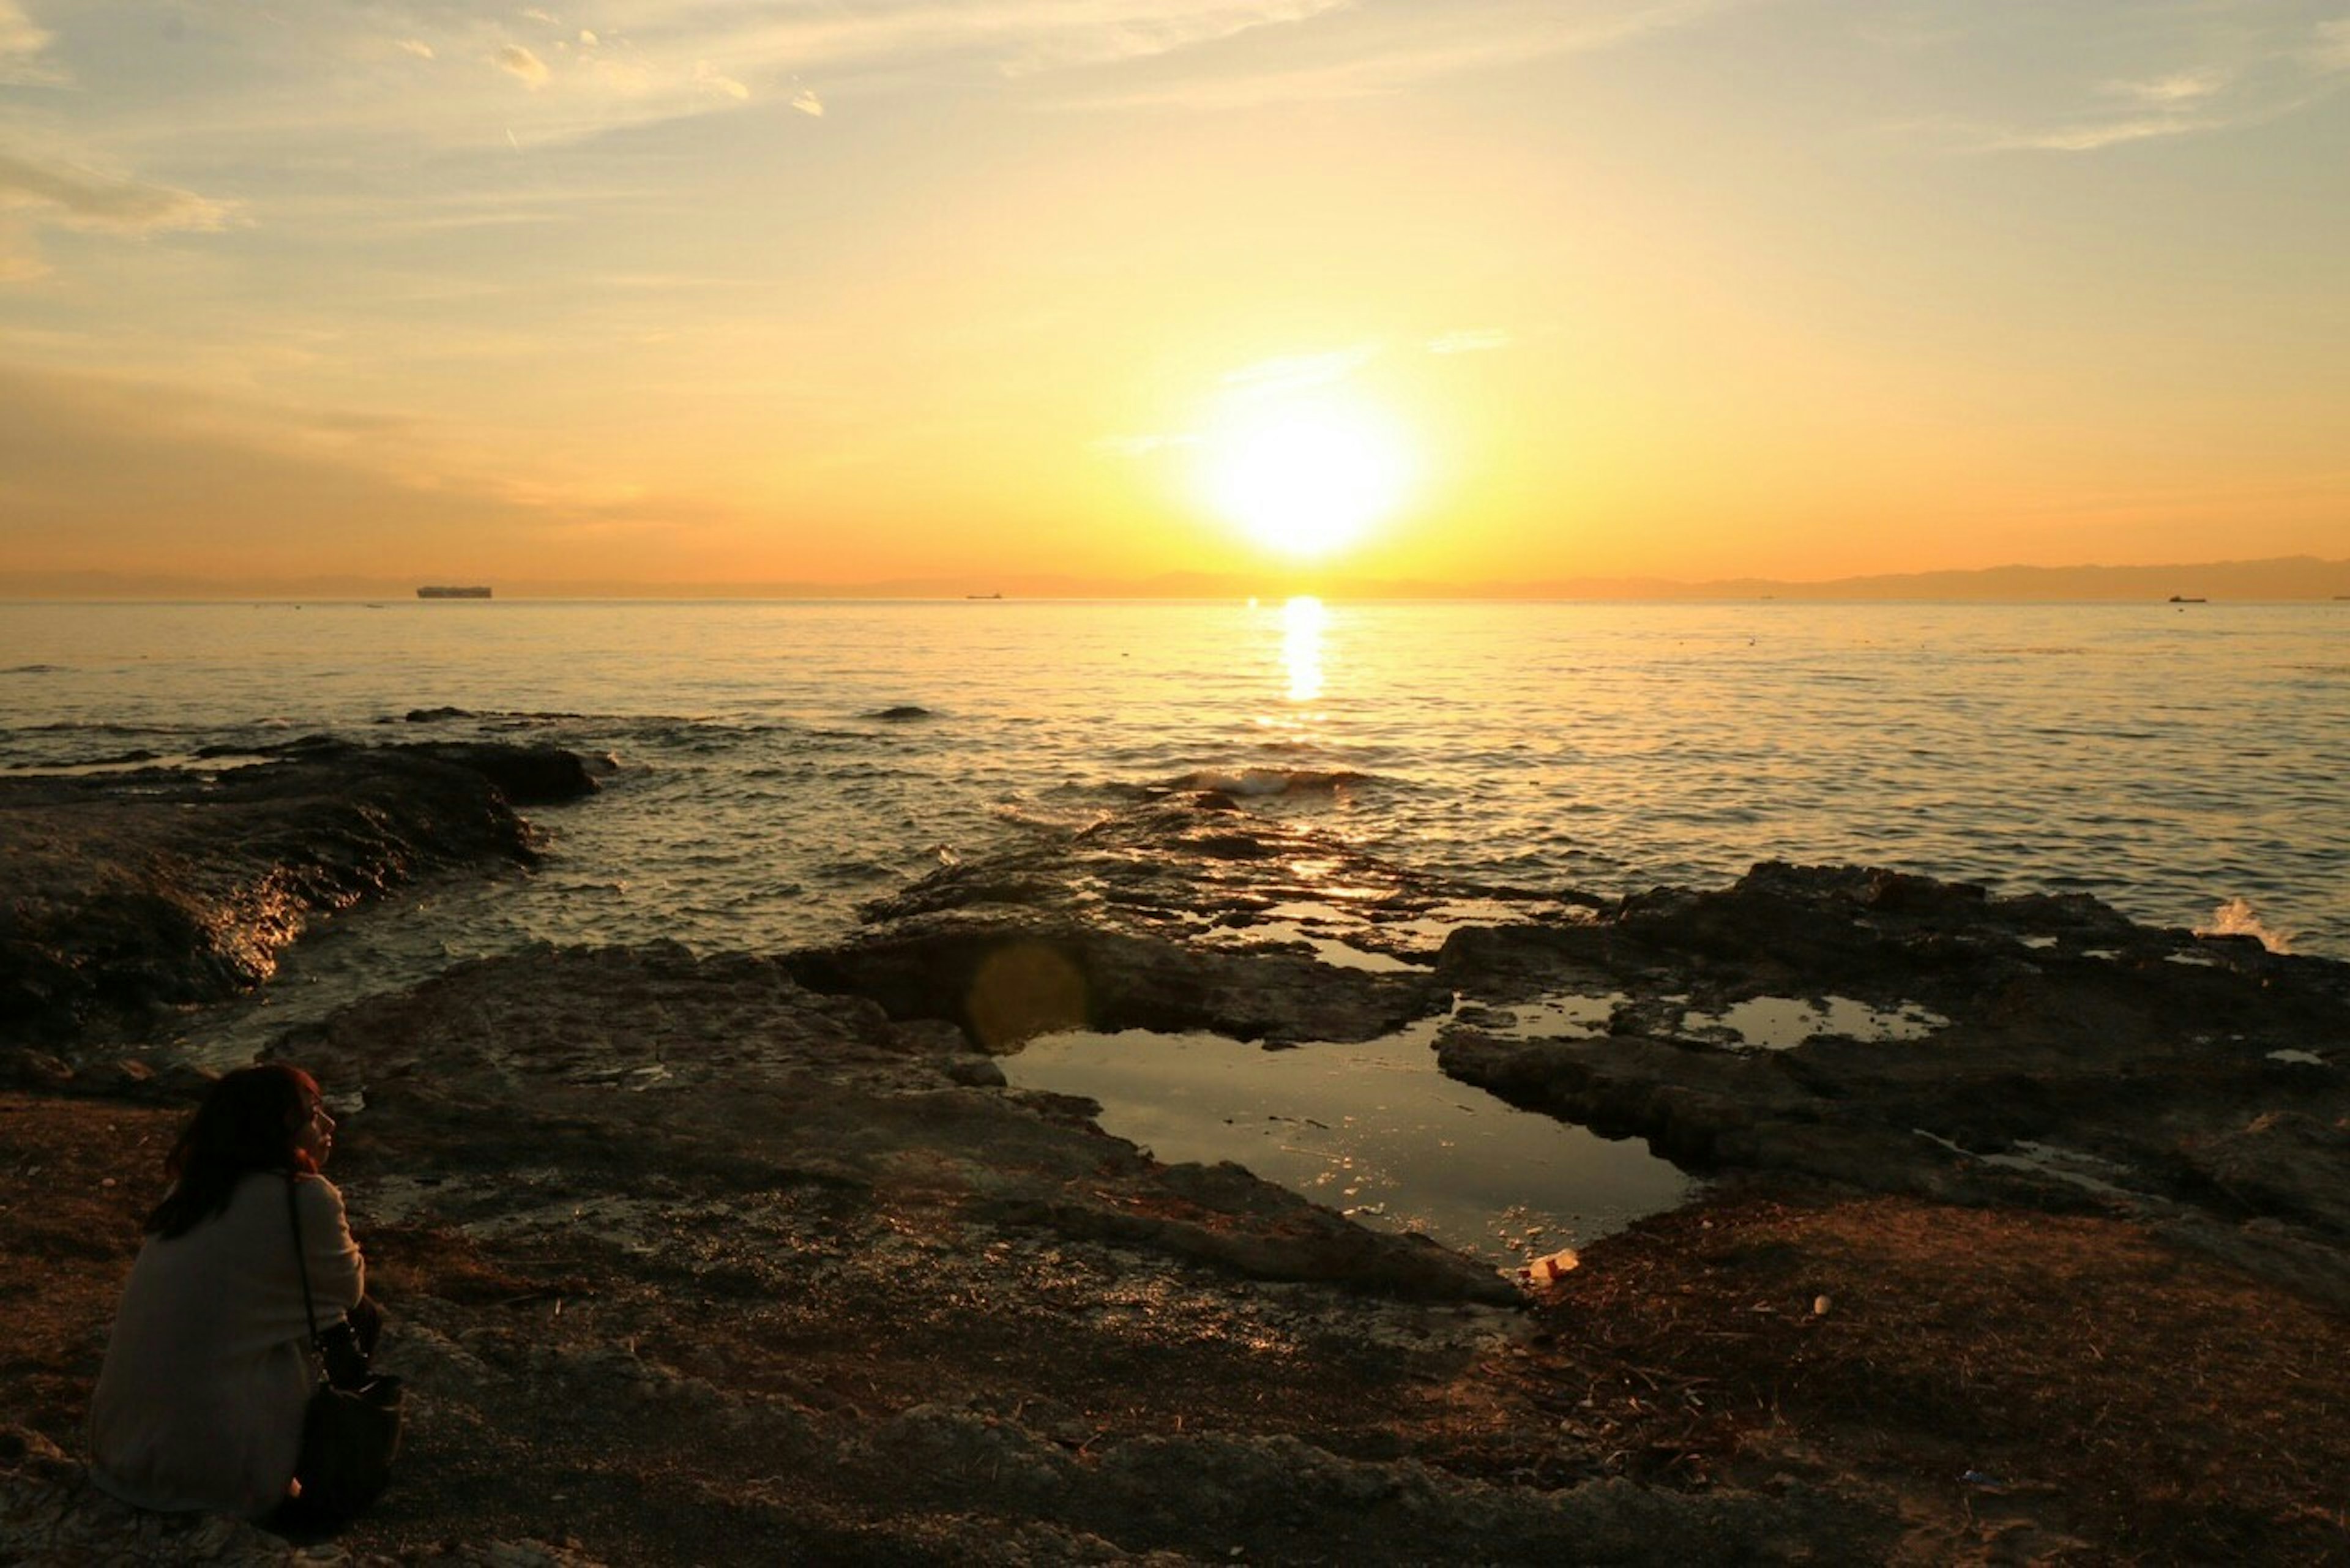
(293, 1215)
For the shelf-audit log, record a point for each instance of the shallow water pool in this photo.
(1373, 1130)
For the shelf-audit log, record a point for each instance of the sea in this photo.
(775, 765)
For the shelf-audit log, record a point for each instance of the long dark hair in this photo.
(249, 1120)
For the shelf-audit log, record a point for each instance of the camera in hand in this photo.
(347, 1364)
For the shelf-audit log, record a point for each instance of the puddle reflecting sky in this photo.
(1373, 1130)
(1784, 1022)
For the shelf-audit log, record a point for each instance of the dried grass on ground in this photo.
(2010, 1387)
(2027, 1378)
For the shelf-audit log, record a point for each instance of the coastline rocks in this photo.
(128, 894)
(1195, 866)
(660, 1068)
(1903, 1034)
(1003, 975)
(675, 1210)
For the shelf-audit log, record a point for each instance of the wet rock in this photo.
(526, 775)
(2068, 1057)
(1005, 975)
(131, 894)
(1199, 866)
(665, 1065)
(2280, 1163)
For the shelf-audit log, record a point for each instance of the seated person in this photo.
(210, 1368)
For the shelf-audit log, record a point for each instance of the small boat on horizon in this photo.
(439, 592)
(2189, 599)
(983, 596)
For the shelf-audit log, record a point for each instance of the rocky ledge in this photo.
(128, 893)
(1888, 1031)
(2026, 1244)
(1907, 1035)
(690, 1263)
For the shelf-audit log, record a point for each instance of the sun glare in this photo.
(1307, 480)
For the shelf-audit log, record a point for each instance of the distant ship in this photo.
(2189, 599)
(447, 593)
(983, 596)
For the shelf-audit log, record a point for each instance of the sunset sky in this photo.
(717, 291)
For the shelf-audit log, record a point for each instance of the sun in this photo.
(1306, 480)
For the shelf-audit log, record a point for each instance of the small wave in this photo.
(2237, 918)
(87, 727)
(75, 764)
(900, 713)
(34, 669)
(1256, 782)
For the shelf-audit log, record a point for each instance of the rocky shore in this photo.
(128, 894)
(2026, 1243)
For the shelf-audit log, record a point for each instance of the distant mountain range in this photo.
(2283, 577)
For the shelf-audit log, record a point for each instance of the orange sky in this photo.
(662, 292)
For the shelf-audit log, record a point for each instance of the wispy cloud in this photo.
(2249, 66)
(2183, 86)
(2096, 138)
(2330, 48)
(74, 197)
(707, 76)
(1139, 29)
(1480, 340)
(1393, 51)
(22, 44)
(521, 63)
(807, 102)
(1298, 372)
(416, 46)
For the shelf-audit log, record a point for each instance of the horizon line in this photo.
(2307, 578)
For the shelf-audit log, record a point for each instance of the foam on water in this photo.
(1257, 783)
(2237, 918)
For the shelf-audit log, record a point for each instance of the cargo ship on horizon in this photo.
(449, 593)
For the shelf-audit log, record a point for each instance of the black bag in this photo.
(350, 1438)
(350, 1433)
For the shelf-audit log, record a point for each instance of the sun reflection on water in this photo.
(1303, 620)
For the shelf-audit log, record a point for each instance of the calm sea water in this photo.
(2187, 765)
(2168, 758)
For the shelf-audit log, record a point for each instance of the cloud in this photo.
(73, 197)
(21, 45)
(521, 63)
(807, 102)
(1058, 37)
(1478, 340)
(532, 13)
(2096, 138)
(416, 46)
(2184, 87)
(1371, 54)
(1298, 372)
(2251, 68)
(2331, 52)
(724, 86)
